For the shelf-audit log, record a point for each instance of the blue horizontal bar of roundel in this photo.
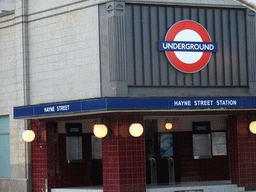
(187, 46)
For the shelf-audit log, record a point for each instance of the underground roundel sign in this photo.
(188, 46)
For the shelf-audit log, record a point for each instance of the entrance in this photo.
(181, 145)
(77, 165)
(87, 172)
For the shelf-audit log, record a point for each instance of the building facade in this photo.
(69, 65)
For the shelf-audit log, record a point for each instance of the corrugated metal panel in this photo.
(146, 66)
(116, 39)
(252, 45)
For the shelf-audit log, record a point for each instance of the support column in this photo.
(113, 49)
(38, 158)
(123, 158)
(45, 156)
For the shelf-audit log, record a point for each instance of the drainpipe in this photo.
(26, 84)
(25, 52)
(251, 4)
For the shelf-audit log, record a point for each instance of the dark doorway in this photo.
(189, 169)
(186, 167)
(86, 172)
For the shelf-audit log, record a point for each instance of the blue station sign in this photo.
(57, 108)
(114, 104)
(207, 102)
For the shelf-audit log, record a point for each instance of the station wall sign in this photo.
(188, 46)
(118, 104)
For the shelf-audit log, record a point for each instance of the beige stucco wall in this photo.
(64, 56)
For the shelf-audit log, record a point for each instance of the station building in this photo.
(67, 66)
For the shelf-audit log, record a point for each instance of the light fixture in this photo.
(29, 135)
(100, 130)
(168, 125)
(136, 129)
(252, 127)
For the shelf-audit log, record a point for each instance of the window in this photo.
(4, 147)
(74, 148)
(74, 142)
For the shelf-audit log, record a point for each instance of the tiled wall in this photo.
(232, 135)
(39, 160)
(243, 154)
(123, 159)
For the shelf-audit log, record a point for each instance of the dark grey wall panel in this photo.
(252, 46)
(147, 24)
(234, 48)
(242, 44)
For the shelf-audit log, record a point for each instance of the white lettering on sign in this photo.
(63, 108)
(182, 103)
(49, 109)
(203, 102)
(58, 108)
(188, 46)
(226, 102)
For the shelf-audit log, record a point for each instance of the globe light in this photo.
(136, 129)
(252, 127)
(168, 126)
(100, 130)
(28, 135)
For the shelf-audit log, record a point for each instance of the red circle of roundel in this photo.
(178, 64)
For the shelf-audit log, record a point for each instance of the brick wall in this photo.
(242, 152)
(123, 158)
(38, 159)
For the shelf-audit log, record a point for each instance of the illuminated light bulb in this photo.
(100, 130)
(28, 135)
(168, 126)
(136, 129)
(252, 127)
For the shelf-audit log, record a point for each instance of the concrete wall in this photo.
(12, 94)
(64, 55)
(6, 5)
